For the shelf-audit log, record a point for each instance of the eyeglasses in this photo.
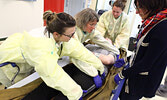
(70, 36)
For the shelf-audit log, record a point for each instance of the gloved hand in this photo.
(119, 63)
(84, 91)
(103, 76)
(118, 78)
(80, 98)
(117, 57)
(97, 81)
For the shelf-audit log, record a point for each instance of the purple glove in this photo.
(119, 63)
(117, 57)
(117, 79)
(80, 98)
(84, 91)
(97, 81)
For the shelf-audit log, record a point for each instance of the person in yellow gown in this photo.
(114, 25)
(86, 21)
(42, 49)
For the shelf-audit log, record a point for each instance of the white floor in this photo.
(156, 98)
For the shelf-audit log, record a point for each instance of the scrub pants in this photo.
(43, 92)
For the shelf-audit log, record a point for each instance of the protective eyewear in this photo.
(70, 36)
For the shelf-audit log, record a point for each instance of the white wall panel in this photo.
(19, 16)
(72, 7)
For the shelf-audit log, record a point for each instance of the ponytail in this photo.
(57, 22)
(49, 16)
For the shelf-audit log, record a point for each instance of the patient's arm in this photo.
(106, 59)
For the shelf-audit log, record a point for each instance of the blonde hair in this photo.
(85, 16)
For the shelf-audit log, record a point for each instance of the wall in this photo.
(54, 5)
(19, 15)
(135, 20)
(103, 4)
(72, 7)
(93, 4)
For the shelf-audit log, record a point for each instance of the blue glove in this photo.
(97, 81)
(103, 76)
(84, 91)
(117, 57)
(80, 98)
(117, 79)
(119, 63)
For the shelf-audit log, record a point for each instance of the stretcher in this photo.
(106, 91)
(118, 90)
(62, 62)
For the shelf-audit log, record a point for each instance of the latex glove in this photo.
(80, 98)
(117, 57)
(84, 91)
(97, 81)
(103, 76)
(118, 78)
(119, 63)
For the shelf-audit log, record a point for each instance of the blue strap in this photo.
(6, 63)
(118, 90)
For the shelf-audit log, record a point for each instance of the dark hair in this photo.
(120, 3)
(152, 6)
(85, 16)
(58, 22)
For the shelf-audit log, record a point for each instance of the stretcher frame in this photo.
(35, 76)
(61, 62)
